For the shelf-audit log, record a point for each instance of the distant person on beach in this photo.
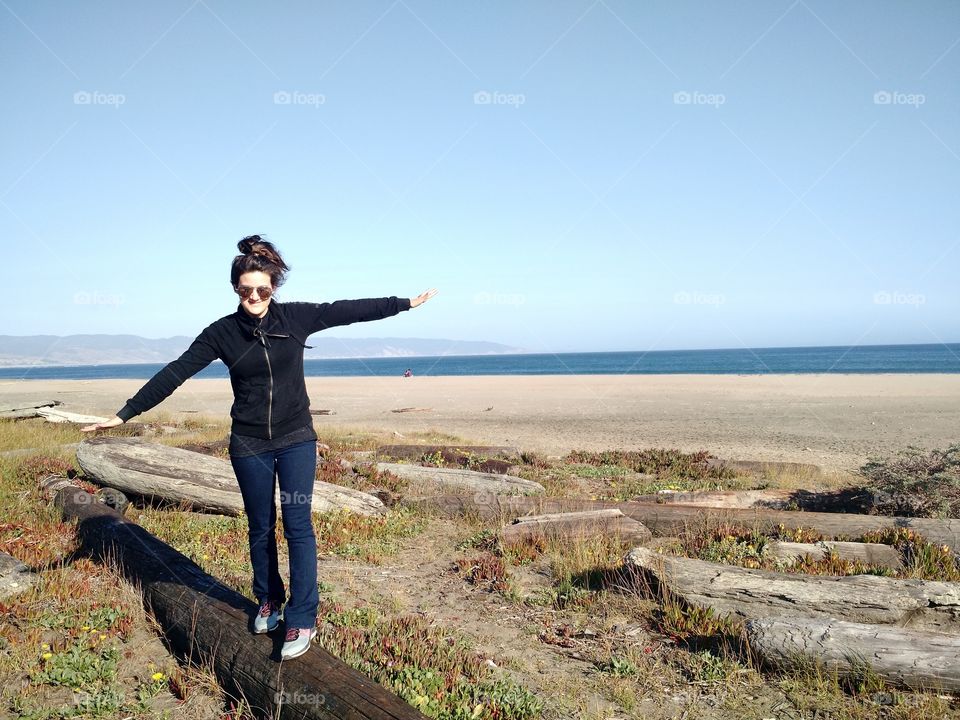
(408, 373)
(272, 438)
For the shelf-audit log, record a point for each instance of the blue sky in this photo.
(571, 176)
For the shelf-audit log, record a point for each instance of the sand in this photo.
(835, 421)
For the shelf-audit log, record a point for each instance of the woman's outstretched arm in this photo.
(315, 317)
(202, 352)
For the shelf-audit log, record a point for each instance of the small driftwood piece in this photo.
(574, 525)
(209, 484)
(480, 483)
(910, 659)
(748, 594)
(670, 520)
(62, 416)
(207, 623)
(868, 553)
(21, 409)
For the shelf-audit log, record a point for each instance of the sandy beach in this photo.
(836, 421)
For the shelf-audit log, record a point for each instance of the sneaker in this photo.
(268, 617)
(296, 642)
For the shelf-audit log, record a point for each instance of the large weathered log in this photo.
(669, 520)
(446, 478)
(748, 594)
(868, 553)
(207, 623)
(571, 526)
(21, 409)
(415, 452)
(911, 659)
(205, 483)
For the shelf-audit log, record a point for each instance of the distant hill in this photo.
(54, 350)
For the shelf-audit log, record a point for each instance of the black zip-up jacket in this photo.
(265, 360)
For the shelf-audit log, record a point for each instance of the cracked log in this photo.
(906, 658)
(576, 525)
(139, 467)
(670, 520)
(748, 594)
(480, 483)
(207, 623)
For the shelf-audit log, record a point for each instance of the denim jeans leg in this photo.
(257, 480)
(296, 471)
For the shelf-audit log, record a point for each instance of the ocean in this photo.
(939, 358)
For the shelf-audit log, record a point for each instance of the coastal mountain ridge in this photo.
(103, 349)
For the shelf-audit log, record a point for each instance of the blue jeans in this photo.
(295, 467)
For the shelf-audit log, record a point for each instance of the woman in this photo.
(272, 436)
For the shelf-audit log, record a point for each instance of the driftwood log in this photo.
(479, 483)
(738, 499)
(24, 408)
(571, 526)
(868, 553)
(209, 484)
(748, 594)
(207, 623)
(415, 452)
(911, 659)
(670, 520)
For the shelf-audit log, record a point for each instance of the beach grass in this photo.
(79, 643)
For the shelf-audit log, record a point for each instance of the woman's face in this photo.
(254, 304)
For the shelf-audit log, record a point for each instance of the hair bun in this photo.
(251, 245)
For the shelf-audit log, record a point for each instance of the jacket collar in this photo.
(273, 324)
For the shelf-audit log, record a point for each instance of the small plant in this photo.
(485, 570)
(620, 667)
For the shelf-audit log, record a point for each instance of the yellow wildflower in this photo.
(47, 655)
(158, 676)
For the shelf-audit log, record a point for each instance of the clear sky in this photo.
(571, 176)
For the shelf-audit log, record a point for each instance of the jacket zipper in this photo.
(269, 396)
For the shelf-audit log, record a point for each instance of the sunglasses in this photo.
(263, 292)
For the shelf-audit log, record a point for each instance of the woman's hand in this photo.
(422, 297)
(112, 422)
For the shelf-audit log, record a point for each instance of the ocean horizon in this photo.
(837, 359)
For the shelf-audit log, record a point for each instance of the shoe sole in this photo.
(266, 630)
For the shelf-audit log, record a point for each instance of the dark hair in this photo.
(258, 255)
